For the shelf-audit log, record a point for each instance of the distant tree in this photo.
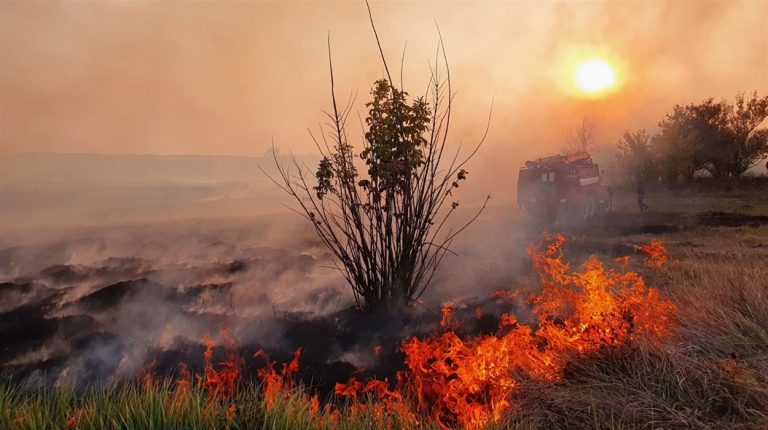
(386, 221)
(635, 155)
(749, 144)
(675, 154)
(582, 138)
(728, 135)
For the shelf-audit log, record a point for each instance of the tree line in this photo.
(717, 138)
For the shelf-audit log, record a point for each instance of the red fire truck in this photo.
(563, 187)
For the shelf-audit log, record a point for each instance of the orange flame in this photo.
(72, 422)
(505, 295)
(447, 322)
(276, 384)
(148, 375)
(656, 254)
(624, 261)
(468, 382)
(390, 403)
(221, 384)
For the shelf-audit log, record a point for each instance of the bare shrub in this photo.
(386, 222)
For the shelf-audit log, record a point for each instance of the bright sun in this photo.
(594, 75)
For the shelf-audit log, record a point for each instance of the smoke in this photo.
(96, 303)
(97, 307)
(228, 78)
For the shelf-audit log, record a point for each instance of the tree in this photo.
(729, 141)
(386, 221)
(582, 138)
(675, 155)
(748, 143)
(635, 154)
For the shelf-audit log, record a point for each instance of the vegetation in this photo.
(716, 137)
(160, 407)
(582, 138)
(386, 222)
(712, 374)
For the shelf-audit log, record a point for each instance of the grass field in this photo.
(712, 373)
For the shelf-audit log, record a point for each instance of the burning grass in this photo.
(600, 349)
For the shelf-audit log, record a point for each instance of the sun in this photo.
(594, 76)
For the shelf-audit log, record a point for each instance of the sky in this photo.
(139, 77)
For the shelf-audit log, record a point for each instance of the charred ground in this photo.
(100, 305)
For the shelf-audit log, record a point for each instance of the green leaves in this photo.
(324, 177)
(395, 146)
(395, 141)
(727, 134)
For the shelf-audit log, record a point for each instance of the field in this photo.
(709, 371)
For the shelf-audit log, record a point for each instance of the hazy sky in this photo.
(226, 77)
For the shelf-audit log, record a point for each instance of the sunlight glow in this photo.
(594, 75)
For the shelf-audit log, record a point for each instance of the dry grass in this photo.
(712, 374)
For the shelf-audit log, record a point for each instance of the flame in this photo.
(505, 295)
(72, 422)
(184, 380)
(624, 261)
(148, 375)
(390, 407)
(468, 382)
(183, 385)
(221, 384)
(276, 384)
(447, 322)
(656, 254)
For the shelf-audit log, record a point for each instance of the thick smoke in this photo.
(91, 304)
(81, 304)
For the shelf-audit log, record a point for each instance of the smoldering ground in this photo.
(97, 305)
(91, 303)
(85, 305)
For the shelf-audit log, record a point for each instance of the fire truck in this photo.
(563, 187)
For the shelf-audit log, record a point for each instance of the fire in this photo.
(624, 261)
(656, 254)
(148, 375)
(72, 422)
(447, 322)
(221, 384)
(468, 382)
(389, 404)
(277, 383)
(505, 295)
(184, 380)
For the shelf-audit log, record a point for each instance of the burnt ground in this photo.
(100, 306)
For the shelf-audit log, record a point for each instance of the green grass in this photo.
(134, 406)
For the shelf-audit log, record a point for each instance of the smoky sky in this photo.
(229, 77)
